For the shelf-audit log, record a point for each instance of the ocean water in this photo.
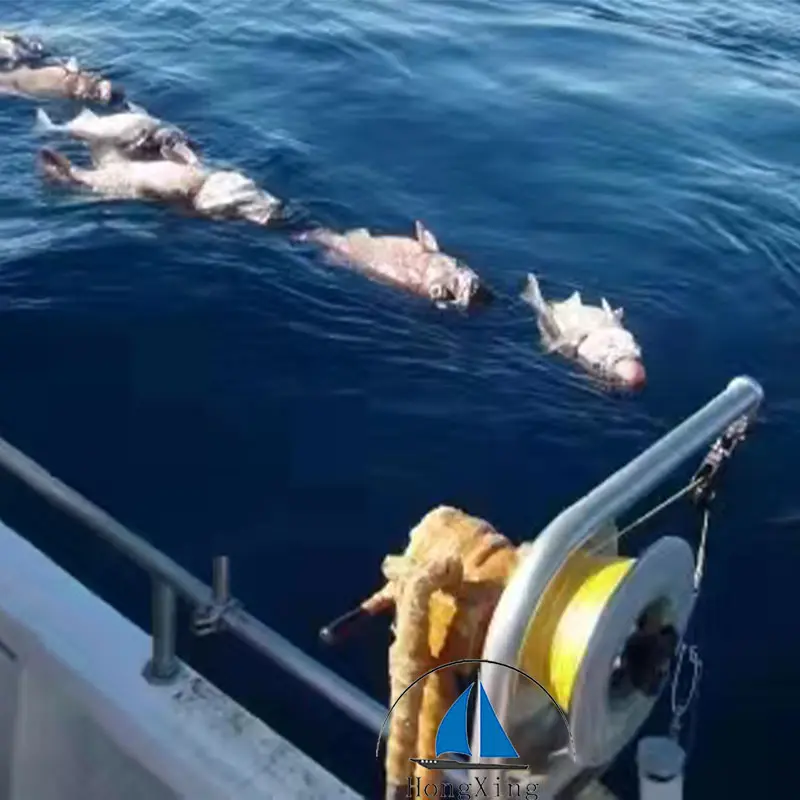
(222, 392)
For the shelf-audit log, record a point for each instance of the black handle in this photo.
(342, 627)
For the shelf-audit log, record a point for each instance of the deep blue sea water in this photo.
(220, 392)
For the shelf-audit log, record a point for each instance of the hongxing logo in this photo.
(464, 791)
(452, 738)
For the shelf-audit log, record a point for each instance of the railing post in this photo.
(221, 580)
(163, 666)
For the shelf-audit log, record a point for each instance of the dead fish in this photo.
(119, 178)
(59, 81)
(414, 263)
(135, 132)
(591, 335)
(215, 194)
(17, 49)
(226, 194)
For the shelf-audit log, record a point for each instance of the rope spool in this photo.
(602, 637)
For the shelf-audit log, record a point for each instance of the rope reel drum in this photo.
(602, 640)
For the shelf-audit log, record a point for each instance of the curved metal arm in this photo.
(575, 526)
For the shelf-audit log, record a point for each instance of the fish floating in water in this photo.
(134, 132)
(227, 194)
(216, 194)
(414, 263)
(115, 177)
(65, 81)
(135, 155)
(16, 49)
(591, 335)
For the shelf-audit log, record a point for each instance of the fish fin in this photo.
(532, 294)
(613, 314)
(546, 319)
(310, 235)
(43, 123)
(574, 299)
(135, 109)
(425, 237)
(606, 307)
(84, 115)
(71, 65)
(321, 236)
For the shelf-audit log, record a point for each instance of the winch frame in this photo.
(593, 518)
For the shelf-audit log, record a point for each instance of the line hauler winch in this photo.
(596, 630)
(600, 630)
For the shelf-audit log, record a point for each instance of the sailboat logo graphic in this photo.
(452, 736)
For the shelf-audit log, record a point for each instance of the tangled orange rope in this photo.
(444, 589)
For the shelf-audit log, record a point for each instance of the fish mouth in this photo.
(55, 165)
(264, 214)
(469, 292)
(482, 296)
(630, 373)
(116, 95)
(174, 145)
(164, 143)
(98, 90)
(181, 152)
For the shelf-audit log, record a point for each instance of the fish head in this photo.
(94, 88)
(175, 145)
(613, 353)
(35, 46)
(452, 283)
(232, 195)
(19, 49)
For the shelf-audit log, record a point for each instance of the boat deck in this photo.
(79, 722)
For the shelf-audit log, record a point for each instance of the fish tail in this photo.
(43, 122)
(56, 166)
(532, 294)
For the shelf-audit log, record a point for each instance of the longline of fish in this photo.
(134, 155)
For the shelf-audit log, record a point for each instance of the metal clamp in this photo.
(206, 620)
(707, 475)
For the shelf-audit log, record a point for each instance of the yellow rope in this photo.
(569, 612)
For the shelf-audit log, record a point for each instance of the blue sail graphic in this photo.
(494, 742)
(452, 734)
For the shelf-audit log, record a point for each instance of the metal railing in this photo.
(214, 609)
